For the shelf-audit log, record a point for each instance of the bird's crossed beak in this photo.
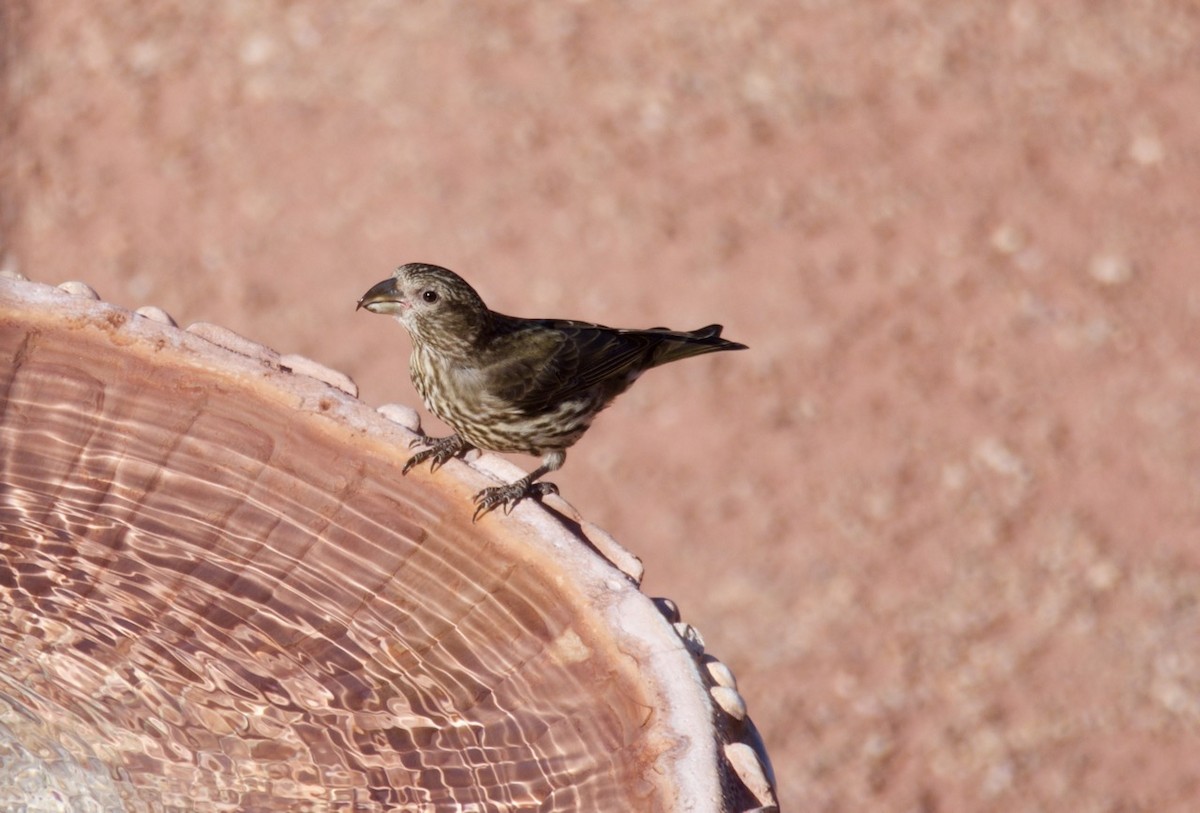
(384, 297)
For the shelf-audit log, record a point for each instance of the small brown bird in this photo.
(507, 384)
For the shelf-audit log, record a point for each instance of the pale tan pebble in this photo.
(998, 457)
(746, 764)
(668, 608)
(76, 288)
(1102, 576)
(236, 343)
(1110, 269)
(302, 365)
(721, 674)
(729, 701)
(257, 50)
(691, 637)
(559, 504)
(403, 415)
(156, 314)
(613, 551)
(1147, 150)
(1008, 239)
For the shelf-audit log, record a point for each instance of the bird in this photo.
(511, 384)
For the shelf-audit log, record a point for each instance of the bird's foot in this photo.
(439, 449)
(509, 495)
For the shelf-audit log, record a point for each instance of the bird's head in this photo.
(434, 304)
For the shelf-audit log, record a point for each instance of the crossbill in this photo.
(507, 384)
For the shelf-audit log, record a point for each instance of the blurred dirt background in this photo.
(941, 519)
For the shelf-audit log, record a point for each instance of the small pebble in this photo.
(721, 674)
(1008, 239)
(1147, 150)
(690, 635)
(76, 288)
(668, 608)
(1110, 269)
(613, 551)
(302, 365)
(403, 415)
(156, 314)
(729, 701)
(226, 338)
(756, 776)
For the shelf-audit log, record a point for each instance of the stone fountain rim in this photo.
(630, 617)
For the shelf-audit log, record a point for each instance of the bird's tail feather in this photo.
(683, 344)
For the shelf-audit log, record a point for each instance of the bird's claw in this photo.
(508, 496)
(439, 449)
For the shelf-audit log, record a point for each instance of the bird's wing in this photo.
(550, 360)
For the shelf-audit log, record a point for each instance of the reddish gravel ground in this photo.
(942, 518)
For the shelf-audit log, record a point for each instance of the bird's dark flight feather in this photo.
(563, 358)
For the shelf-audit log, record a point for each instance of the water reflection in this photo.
(204, 605)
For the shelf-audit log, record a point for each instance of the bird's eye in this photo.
(429, 295)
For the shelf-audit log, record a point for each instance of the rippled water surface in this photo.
(204, 605)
